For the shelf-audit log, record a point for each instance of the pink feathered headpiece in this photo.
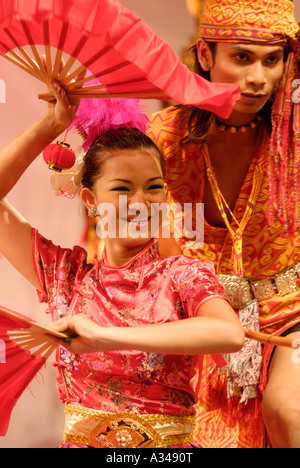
(94, 118)
(97, 116)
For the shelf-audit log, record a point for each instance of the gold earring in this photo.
(92, 213)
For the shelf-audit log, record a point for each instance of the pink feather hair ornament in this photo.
(97, 116)
(94, 118)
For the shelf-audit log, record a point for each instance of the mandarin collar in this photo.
(149, 254)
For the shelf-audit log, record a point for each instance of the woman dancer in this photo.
(141, 321)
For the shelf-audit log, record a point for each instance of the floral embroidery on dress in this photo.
(152, 366)
(68, 359)
(148, 290)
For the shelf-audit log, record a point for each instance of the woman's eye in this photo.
(155, 187)
(120, 189)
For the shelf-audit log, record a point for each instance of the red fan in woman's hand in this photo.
(102, 36)
(24, 348)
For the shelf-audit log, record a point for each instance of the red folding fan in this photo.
(102, 36)
(24, 348)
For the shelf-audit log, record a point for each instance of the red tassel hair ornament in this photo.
(64, 164)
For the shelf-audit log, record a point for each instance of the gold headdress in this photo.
(249, 20)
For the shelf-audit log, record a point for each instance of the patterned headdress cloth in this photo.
(250, 20)
(269, 22)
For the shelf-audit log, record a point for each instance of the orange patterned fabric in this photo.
(261, 20)
(267, 250)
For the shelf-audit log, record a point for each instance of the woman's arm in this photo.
(215, 330)
(15, 158)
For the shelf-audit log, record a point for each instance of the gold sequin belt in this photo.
(242, 291)
(99, 429)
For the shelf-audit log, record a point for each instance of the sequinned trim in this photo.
(241, 292)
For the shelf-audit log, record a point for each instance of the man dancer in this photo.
(246, 172)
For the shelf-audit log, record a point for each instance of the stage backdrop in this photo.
(38, 419)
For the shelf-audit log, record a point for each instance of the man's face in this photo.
(256, 68)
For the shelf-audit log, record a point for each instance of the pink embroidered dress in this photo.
(148, 290)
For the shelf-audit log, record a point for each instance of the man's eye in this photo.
(241, 58)
(272, 60)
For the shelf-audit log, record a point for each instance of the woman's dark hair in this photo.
(111, 143)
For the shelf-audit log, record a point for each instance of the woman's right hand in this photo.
(62, 111)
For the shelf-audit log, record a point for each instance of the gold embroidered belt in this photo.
(242, 292)
(98, 429)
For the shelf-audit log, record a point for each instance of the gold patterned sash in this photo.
(99, 429)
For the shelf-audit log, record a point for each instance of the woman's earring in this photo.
(92, 212)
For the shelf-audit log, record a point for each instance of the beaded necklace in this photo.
(242, 129)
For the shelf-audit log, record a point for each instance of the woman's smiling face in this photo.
(129, 184)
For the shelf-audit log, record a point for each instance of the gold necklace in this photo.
(237, 236)
(242, 129)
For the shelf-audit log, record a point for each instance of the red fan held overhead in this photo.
(102, 36)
